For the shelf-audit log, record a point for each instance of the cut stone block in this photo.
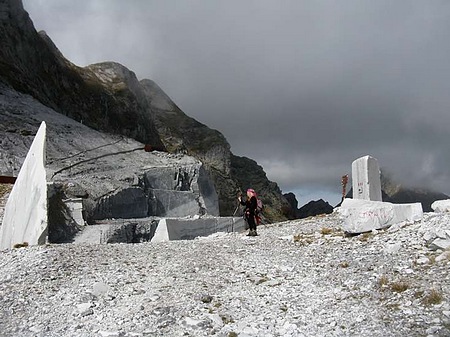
(186, 229)
(126, 203)
(364, 215)
(180, 191)
(75, 207)
(167, 203)
(25, 218)
(366, 182)
(441, 206)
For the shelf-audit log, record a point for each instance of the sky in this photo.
(303, 87)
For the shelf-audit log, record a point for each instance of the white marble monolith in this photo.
(25, 218)
(366, 182)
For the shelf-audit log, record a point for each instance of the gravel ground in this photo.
(298, 278)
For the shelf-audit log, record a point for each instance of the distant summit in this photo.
(312, 208)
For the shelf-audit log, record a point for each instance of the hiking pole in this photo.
(237, 207)
(238, 203)
(234, 213)
(232, 219)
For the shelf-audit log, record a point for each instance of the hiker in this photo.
(251, 204)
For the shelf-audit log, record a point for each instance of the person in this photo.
(251, 205)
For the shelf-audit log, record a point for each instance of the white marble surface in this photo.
(365, 215)
(366, 182)
(25, 217)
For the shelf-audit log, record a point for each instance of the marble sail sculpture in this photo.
(25, 218)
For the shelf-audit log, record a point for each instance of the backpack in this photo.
(259, 205)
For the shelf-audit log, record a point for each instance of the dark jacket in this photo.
(250, 206)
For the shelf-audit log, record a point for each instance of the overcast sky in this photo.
(302, 87)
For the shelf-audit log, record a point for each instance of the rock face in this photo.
(109, 97)
(181, 133)
(166, 191)
(32, 64)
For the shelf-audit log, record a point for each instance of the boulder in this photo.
(441, 206)
(437, 238)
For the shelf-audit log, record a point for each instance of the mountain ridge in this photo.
(108, 97)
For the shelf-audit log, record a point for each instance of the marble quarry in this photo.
(366, 182)
(174, 187)
(182, 198)
(25, 217)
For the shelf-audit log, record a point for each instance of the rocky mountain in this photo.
(312, 208)
(108, 97)
(397, 193)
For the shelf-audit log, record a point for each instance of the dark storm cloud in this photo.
(302, 87)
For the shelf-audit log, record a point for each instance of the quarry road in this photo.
(297, 278)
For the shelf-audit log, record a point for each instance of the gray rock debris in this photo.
(298, 278)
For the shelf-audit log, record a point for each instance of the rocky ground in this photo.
(299, 278)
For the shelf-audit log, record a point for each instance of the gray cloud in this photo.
(302, 87)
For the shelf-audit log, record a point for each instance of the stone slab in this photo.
(366, 181)
(25, 218)
(365, 215)
(75, 206)
(190, 228)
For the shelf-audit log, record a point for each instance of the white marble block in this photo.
(190, 228)
(25, 218)
(365, 215)
(441, 206)
(366, 182)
